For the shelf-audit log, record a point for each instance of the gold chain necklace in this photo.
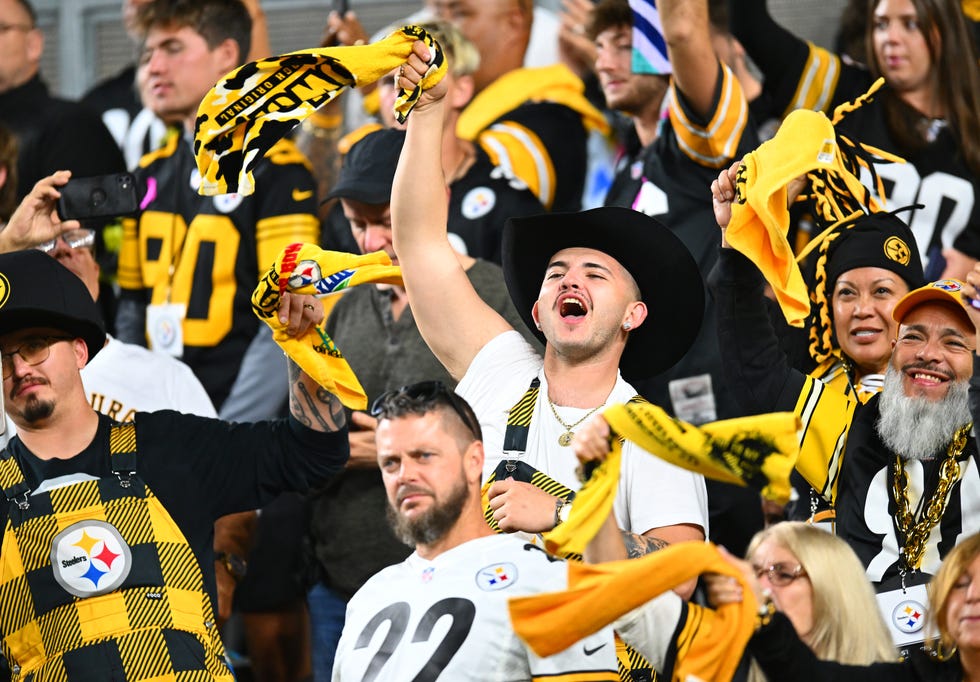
(915, 533)
(565, 439)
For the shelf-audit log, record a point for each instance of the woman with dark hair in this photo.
(928, 112)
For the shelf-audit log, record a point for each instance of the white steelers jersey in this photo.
(447, 620)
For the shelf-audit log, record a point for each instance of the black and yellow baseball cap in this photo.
(38, 291)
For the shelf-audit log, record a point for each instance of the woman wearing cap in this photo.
(928, 111)
(954, 624)
(817, 582)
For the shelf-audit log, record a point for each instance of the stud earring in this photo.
(627, 326)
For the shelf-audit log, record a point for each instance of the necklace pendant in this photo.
(565, 439)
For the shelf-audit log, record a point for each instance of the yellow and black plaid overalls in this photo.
(98, 583)
(633, 667)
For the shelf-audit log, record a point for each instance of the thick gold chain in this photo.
(915, 533)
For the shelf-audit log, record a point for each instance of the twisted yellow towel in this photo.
(710, 643)
(805, 144)
(308, 269)
(758, 451)
(255, 105)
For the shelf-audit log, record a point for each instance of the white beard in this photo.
(919, 428)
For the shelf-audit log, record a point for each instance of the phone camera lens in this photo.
(98, 197)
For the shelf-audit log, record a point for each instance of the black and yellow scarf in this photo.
(257, 104)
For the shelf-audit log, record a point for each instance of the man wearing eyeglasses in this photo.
(108, 570)
(462, 574)
(52, 133)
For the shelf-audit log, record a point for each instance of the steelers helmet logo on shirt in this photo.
(909, 616)
(478, 202)
(496, 577)
(897, 250)
(90, 558)
(226, 203)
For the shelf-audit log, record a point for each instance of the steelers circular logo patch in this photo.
(4, 289)
(897, 250)
(90, 558)
(909, 616)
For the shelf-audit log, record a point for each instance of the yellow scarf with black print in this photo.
(758, 452)
(257, 104)
(806, 144)
(308, 269)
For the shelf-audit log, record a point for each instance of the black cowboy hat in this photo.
(669, 281)
(38, 291)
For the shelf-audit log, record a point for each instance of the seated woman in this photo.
(954, 623)
(816, 581)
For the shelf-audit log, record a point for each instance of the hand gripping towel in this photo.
(805, 144)
(308, 269)
(258, 103)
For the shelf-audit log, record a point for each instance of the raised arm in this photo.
(36, 219)
(309, 403)
(692, 57)
(453, 319)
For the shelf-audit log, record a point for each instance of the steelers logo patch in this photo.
(909, 616)
(226, 203)
(4, 289)
(496, 577)
(949, 285)
(478, 202)
(90, 558)
(897, 250)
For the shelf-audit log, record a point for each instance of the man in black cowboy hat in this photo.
(587, 281)
(108, 568)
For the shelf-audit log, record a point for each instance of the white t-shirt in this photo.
(125, 378)
(652, 493)
(449, 616)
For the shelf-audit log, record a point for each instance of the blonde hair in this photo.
(842, 596)
(464, 58)
(952, 568)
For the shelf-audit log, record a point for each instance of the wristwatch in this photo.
(563, 508)
(234, 564)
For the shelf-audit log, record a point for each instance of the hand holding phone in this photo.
(101, 196)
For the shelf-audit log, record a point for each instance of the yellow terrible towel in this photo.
(710, 643)
(806, 144)
(758, 451)
(257, 104)
(308, 269)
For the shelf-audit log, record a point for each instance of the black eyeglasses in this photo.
(780, 575)
(424, 394)
(33, 351)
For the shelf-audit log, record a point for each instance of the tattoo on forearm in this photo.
(640, 545)
(320, 410)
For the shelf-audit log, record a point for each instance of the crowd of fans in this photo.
(679, 211)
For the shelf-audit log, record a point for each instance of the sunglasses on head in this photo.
(425, 392)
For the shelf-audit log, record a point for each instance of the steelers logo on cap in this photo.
(897, 250)
(4, 289)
